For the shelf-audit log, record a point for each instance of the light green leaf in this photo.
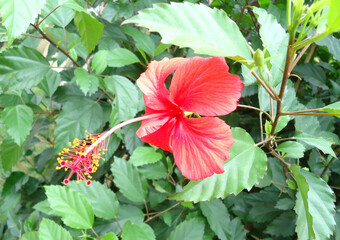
(74, 209)
(105, 206)
(119, 57)
(72, 5)
(34, 235)
(10, 153)
(333, 108)
(87, 83)
(18, 14)
(60, 17)
(205, 30)
(109, 236)
(144, 155)
(218, 218)
(18, 121)
(78, 115)
(128, 180)
(318, 142)
(246, 166)
(314, 206)
(282, 123)
(89, 28)
(126, 96)
(99, 61)
(187, 230)
(27, 65)
(333, 19)
(52, 231)
(142, 40)
(292, 149)
(133, 231)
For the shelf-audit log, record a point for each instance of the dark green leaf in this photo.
(128, 180)
(132, 231)
(74, 209)
(52, 231)
(205, 30)
(246, 166)
(188, 230)
(144, 155)
(10, 153)
(318, 142)
(153, 171)
(89, 28)
(106, 206)
(285, 204)
(18, 121)
(283, 225)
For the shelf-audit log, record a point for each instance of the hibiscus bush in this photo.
(178, 120)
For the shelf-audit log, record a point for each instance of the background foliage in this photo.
(67, 66)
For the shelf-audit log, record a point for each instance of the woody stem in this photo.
(119, 126)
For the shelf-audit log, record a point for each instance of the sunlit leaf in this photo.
(291, 149)
(52, 231)
(190, 229)
(132, 231)
(333, 108)
(205, 30)
(144, 155)
(87, 83)
(333, 20)
(323, 144)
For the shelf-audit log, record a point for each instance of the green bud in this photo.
(268, 127)
(291, 184)
(259, 58)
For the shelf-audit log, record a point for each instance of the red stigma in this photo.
(89, 169)
(82, 157)
(88, 182)
(66, 181)
(63, 163)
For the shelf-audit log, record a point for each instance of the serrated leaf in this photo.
(218, 218)
(18, 14)
(120, 57)
(89, 28)
(142, 40)
(205, 30)
(87, 83)
(144, 155)
(128, 180)
(18, 121)
(126, 96)
(153, 171)
(187, 230)
(286, 219)
(333, 108)
(74, 209)
(314, 206)
(78, 115)
(50, 82)
(132, 231)
(131, 139)
(292, 149)
(10, 153)
(246, 166)
(52, 231)
(333, 19)
(105, 206)
(27, 65)
(323, 144)
(72, 5)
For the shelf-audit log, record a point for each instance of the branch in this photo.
(38, 24)
(258, 109)
(270, 91)
(327, 167)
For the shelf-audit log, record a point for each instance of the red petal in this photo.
(200, 146)
(157, 132)
(151, 82)
(204, 86)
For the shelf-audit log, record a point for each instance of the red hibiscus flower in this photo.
(199, 87)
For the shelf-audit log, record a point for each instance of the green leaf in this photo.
(72, 5)
(26, 65)
(18, 14)
(333, 45)
(292, 149)
(89, 28)
(218, 218)
(131, 139)
(333, 108)
(99, 61)
(205, 30)
(52, 231)
(60, 17)
(126, 96)
(314, 206)
(74, 209)
(333, 19)
(34, 235)
(78, 115)
(286, 219)
(246, 166)
(153, 171)
(109, 236)
(87, 83)
(128, 180)
(18, 121)
(282, 123)
(144, 155)
(142, 40)
(10, 153)
(50, 82)
(318, 142)
(187, 230)
(132, 231)
(313, 74)
(119, 57)
(105, 206)
(285, 204)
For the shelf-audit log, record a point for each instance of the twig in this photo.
(258, 109)
(297, 59)
(327, 167)
(160, 213)
(242, 13)
(95, 233)
(270, 91)
(120, 227)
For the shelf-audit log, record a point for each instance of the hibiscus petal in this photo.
(151, 82)
(200, 146)
(157, 131)
(204, 86)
